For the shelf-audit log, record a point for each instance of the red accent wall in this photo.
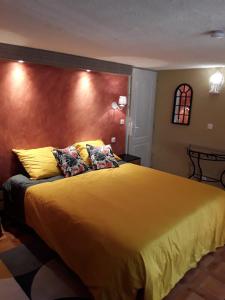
(48, 106)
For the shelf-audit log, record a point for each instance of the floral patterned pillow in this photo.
(69, 161)
(102, 157)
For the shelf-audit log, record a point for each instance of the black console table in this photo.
(198, 154)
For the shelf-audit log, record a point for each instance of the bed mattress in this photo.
(128, 228)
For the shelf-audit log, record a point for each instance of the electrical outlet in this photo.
(113, 139)
(122, 121)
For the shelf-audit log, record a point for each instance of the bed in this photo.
(127, 228)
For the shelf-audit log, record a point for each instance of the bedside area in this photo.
(131, 159)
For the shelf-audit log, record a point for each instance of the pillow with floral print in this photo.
(69, 161)
(102, 157)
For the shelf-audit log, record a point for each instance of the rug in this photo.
(37, 274)
(30, 270)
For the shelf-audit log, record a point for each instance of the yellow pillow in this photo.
(116, 157)
(39, 163)
(81, 148)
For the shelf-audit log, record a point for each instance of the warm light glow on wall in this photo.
(84, 90)
(18, 82)
(216, 82)
(85, 81)
(39, 103)
(18, 74)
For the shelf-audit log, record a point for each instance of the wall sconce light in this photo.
(216, 82)
(121, 103)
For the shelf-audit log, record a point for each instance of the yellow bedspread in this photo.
(128, 228)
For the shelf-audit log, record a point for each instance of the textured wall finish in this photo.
(162, 34)
(42, 106)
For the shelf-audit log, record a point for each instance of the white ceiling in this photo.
(155, 34)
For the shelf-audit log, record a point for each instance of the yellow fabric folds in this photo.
(39, 163)
(128, 228)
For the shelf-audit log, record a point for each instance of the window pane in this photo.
(177, 110)
(177, 100)
(182, 101)
(182, 88)
(189, 93)
(186, 88)
(187, 110)
(175, 119)
(181, 111)
(186, 119)
(181, 118)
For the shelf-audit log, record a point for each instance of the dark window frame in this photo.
(178, 94)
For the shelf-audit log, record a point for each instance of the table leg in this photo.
(199, 167)
(221, 178)
(193, 165)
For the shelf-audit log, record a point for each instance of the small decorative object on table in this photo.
(131, 158)
(198, 154)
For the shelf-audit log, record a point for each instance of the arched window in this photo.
(182, 104)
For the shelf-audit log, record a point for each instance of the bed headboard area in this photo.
(48, 106)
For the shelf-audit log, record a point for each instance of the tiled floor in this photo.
(206, 282)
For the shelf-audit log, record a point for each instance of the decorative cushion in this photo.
(81, 148)
(39, 163)
(69, 161)
(102, 157)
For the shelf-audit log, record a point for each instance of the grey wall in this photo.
(39, 56)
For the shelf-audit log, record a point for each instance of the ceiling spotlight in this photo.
(88, 70)
(218, 34)
(21, 61)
